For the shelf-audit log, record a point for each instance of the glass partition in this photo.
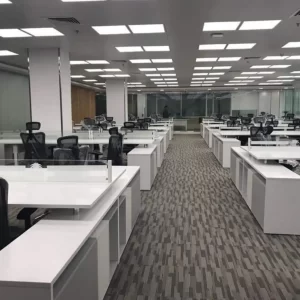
(193, 104)
(172, 100)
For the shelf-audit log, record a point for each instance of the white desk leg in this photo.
(15, 153)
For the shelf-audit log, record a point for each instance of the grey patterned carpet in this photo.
(196, 239)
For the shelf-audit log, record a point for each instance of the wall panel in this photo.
(83, 103)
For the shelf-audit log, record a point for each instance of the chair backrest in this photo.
(140, 120)
(296, 121)
(219, 116)
(115, 149)
(113, 131)
(129, 124)
(148, 120)
(267, 130)
(30, 126)
(144, 126)
(229, 123)
(4, 228)
(274, 123)
(103, 126)
(246, 120)
(67, 141)
(262, 113)
(89, 122)
(109, 119)
(254, 130)
(259, 120)
(290, 116)
(35, 146)
(74, 156)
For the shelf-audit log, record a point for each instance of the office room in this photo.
(149, 150)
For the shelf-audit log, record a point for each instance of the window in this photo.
(193, 104)
(173, 101)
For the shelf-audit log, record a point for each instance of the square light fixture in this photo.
(112, 70)
(275, 57)
(106, 76)
(220, 26)
(89, 80)
(39, 32)
(292, 45)
(122, 75)
(249, 73)
(266, 73)
(229, 58)
(77, 76)
(205, 59)
(78, 62)
(162, 60)
(153, 75)
(94, 70)
(140, 61)
(165, 69)
(13, 33)
(294, 57)
(200, 74)
(260, 67)
(147, 69)
(170, 79)
(168, 75)
(156, 79)
(5, 2)
(156, 48)
(240, 46)
(259, 25)
(130, 49)
(202, 68)
(212, 47)
(98, 62)
(7, 53)
(151, 28)
(280, 66)
(216, 74)
(107, 30)
(222, 68)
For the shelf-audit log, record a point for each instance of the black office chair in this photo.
(250, 116)
(103, 126)
(71, 156)
(113, 131)
(218, 117)
(69, 141)
(246, 121)
(140, 120)
(110, 120)
(262, 113)
(144, 126)
(148, 120)
(272, 122)
(259, 120)
(290, 116)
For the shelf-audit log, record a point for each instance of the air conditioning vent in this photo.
(252, 57)
(296, 14)
(65, 20)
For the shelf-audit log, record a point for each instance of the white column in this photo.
(50, 89)
(141, 105)
(117, 100)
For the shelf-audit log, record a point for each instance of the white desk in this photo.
(37, 264)
(160, 150)
(181, 122)
(247, 133)
(271, 192)
(146, 159)
(58, 187)
(274, 153)
(163, 128)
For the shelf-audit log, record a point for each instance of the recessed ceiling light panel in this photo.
(205, 59)
(147, 69)
(7, 53)
(98, 62)
(5, 2)
(222, 68)
(13, 33)
(77, 76)
(259, 25)
(130, 49)
(40, 32)
(107, 30)
(202, 68)
(153, 28)
(162, 60)
(140, 61)
(156, 48)
(78, 62)
(165, 69)
(240, 46)
(220, 26)
(292, 45)
(94, 70)
(229, 58)
(212, 47)
(112, 70)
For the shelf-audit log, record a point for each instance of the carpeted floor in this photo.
(196, 238)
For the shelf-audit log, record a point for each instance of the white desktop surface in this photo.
(142, 150)
(274, 153)
(247, 133)
(58, 189)
(27, 259)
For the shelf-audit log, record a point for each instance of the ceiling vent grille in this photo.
(65, 20)
(252, 57)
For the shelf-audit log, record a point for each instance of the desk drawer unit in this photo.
(258, 198)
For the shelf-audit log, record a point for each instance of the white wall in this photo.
(14, 101)
(244, 100)
(116, 100)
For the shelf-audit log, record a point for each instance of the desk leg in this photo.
(15, 153)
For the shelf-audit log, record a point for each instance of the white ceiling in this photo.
(183, 21)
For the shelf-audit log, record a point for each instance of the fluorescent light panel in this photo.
(90, 80)
(222, 68)
(106, 76)
(5, 2)
(107, 30)
(78, 62)
(200, 74)
(77, 76)
(153, 75)
(168, 75)
(260, 67)
(140, 61)
(130, 49)
(202, 68)
(153, 28)
(165, 69)
(206, 59)
(112, 70)
(156, 48)
(156, 79)
(292, 45)
(40, 32)
(229, 58)
(240, 46)
(216, 74)
(170, 79)
(147, 69)
(212, 47)
(7, 53)
(122, 75)
(13, 33)
(275, 57)
(220, 26)
(259, 25)
(280, 66)
(293, 57)
(94, 70)
(162, 60)
(98, 62)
